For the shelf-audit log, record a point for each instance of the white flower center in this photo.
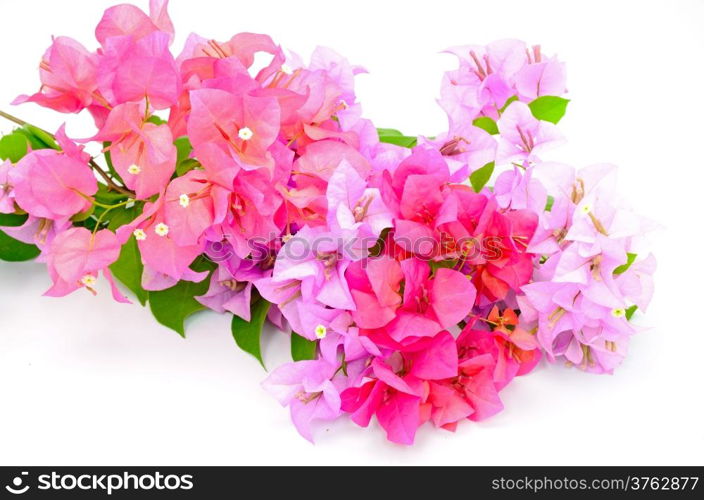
(161, 229)
(286, 69)
(586, 208)
(184, 200)
(133, 169)
(321, 331)
(139, 234)
(89, 280)
(245, 133)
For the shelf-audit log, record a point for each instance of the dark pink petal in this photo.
(452, 296)
(400, 417)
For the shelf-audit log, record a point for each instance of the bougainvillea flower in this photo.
(416, 194)
(132, 70)
(354, 206)
(317, 259)
(465, 148)
(448, 405)
(253, 212)
(483, 82)
(76, 256)
(518, 349)
(430, 304)
(506, 264)
(68, 73)
(128, 20)
(541, 78)
(306, 387)
(370, 251)
(227, 294)
(522, 136)
(375, 285)
(396, 393)
(243, 125)
(477, 384)
(143, 153)
(342, 73)
(157, 247)
(323, 157)
(518, 190)
(243, 46)
(52, 185)
(7, 202)
(395, 404)
(191, 206)
(636, 284)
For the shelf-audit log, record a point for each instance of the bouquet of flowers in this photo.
(415, 276)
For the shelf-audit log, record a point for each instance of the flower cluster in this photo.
(236, 177)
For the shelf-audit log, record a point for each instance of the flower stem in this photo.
(13, 119)
(107, 209)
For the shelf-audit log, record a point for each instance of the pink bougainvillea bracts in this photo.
(415, 276)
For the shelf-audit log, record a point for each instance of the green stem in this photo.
(14, 119)
(107, 209)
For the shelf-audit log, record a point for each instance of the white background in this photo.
(84, 380)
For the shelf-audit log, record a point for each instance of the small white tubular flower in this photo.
(89, 280)
(286, 69)
(133, 170)
(245, 133)
(139, 234)
(184, 200)
(321, 331)
(161, 229)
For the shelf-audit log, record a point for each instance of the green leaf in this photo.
(486, 123)
(549, 108)
(13, 220)
(13, 147)
(549, 203)
(38, 138)
(388, 131)
(172, 306)
(631, 258)
(183, 161)
(186, 166)
(156, 120)
(507, 103)
(12, 250)
(481, 176)
(302, 348)
(183, 149)
(128, 269)
(248, 334)
(393, 136)
(121, 216)
(400, 140)
(631, 311)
